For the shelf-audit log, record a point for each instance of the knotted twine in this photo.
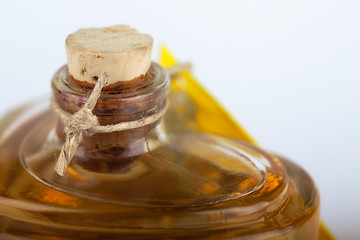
(85, 123)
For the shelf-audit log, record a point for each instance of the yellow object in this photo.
(211, 117)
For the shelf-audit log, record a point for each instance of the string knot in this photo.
(81, 121)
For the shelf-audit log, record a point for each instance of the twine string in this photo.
(77, 125)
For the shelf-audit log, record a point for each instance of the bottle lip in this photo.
(157, 80)
(114, 106)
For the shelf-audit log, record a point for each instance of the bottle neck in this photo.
(129, 101)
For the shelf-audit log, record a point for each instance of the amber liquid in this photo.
(176, 195)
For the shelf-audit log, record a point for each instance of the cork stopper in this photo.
(120, 51)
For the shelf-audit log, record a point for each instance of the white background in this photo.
(289, 71)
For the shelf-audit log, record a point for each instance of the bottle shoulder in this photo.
(187, 177)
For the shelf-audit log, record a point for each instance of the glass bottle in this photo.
(165, 180)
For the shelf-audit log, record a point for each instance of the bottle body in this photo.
(182, 184)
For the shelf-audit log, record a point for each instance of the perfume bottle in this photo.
(161, 178)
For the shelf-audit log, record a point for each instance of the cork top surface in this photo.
(116, 39)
